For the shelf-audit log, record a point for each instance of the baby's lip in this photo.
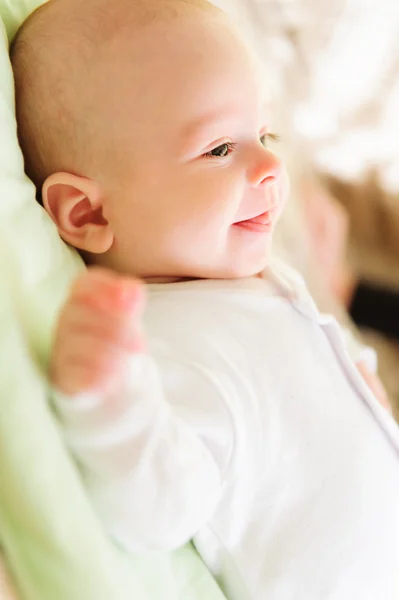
(263, 218)
(260, 223)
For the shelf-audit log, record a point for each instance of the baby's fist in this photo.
(98, 329)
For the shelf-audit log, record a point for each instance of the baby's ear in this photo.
(75, 204)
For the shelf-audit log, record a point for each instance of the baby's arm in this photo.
(153, 479)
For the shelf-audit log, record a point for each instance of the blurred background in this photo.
(332, 69)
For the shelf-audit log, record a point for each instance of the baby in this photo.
(201, 392)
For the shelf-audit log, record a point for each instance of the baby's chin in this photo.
(239, 263)
(240, 268)
(243, 272)
(249, 265)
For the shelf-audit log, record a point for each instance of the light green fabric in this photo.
(54, 545)
(14, 12)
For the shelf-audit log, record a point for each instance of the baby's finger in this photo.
(118, 329)
(106, 291)
(91, 367)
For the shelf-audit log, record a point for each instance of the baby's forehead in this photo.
(103, 60)
(99, 22)
(199, 68)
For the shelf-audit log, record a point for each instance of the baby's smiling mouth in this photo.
(261, 223)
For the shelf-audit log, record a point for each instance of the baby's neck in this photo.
(169, 279)
(181, 279)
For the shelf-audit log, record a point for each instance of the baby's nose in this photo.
(266, 168)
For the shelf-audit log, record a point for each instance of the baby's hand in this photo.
(99, 327)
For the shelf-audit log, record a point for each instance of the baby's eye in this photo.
(221, 151)
(269, 136)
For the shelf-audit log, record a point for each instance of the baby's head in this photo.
(144, 125)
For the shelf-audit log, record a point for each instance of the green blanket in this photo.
(53, 543)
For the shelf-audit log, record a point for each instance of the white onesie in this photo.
(248, 428)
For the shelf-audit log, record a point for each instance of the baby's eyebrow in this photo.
(227, 114)
(207, 121)
(208, 127)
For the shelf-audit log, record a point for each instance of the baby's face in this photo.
(189, 188)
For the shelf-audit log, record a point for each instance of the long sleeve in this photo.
(152, 456)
